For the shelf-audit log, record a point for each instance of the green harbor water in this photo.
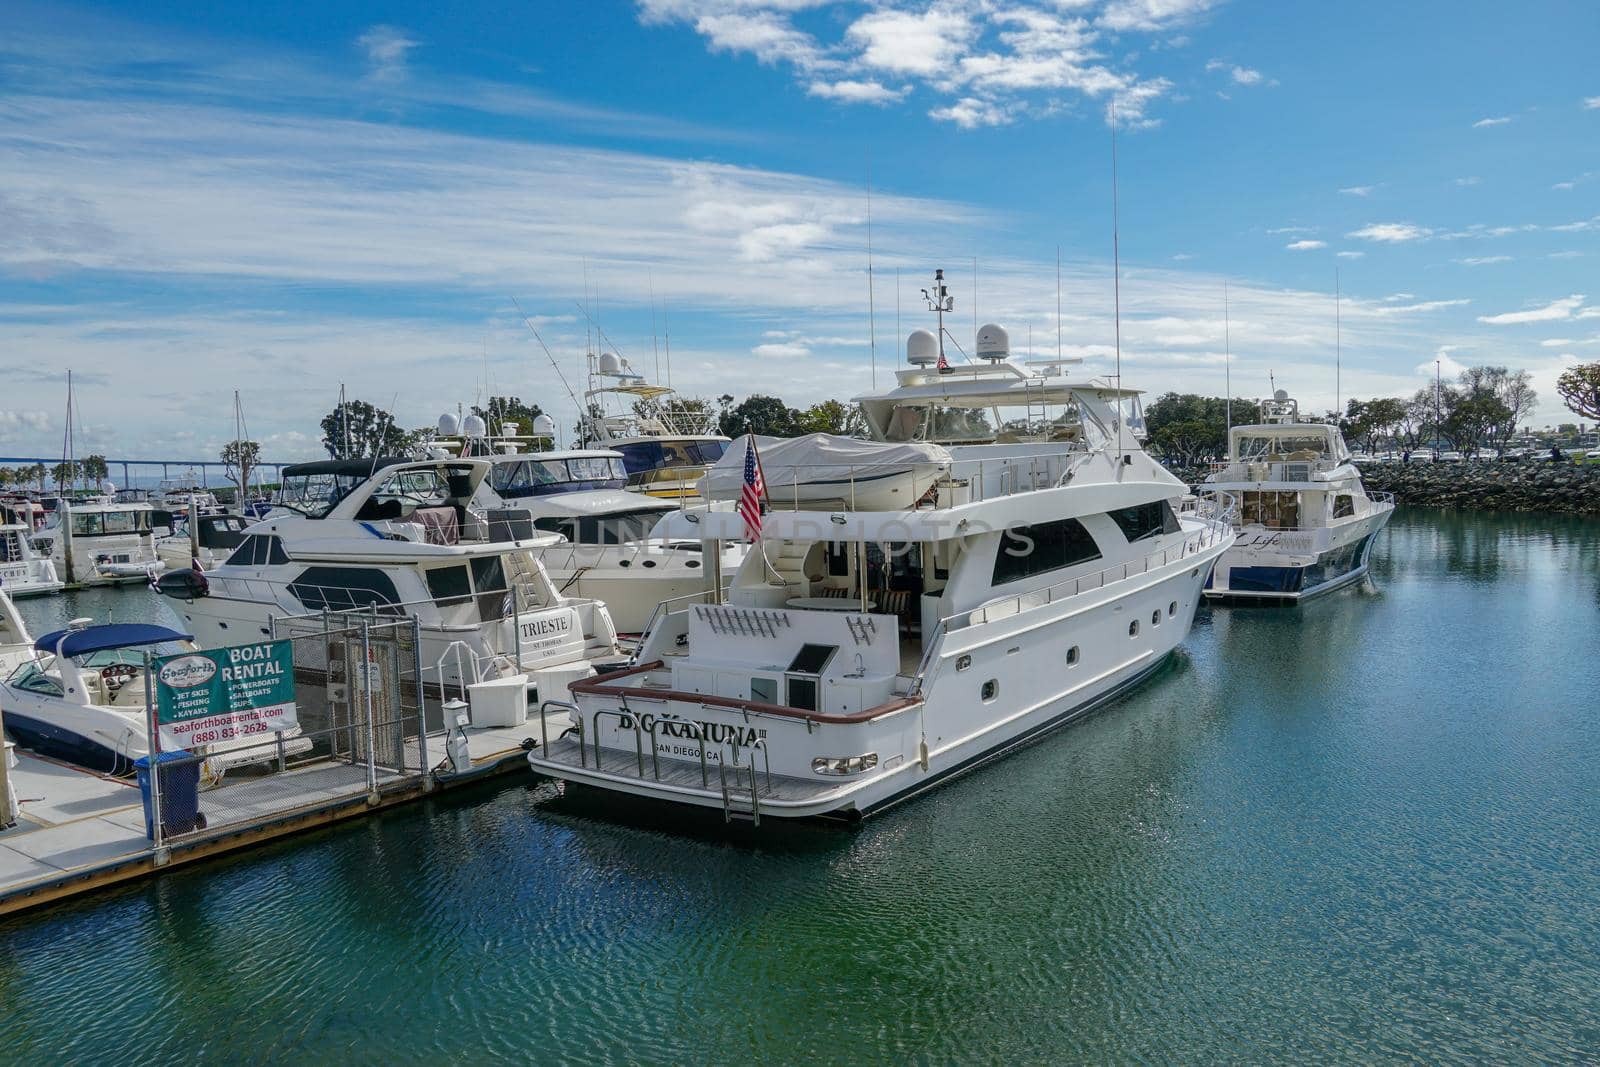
(1365, 829)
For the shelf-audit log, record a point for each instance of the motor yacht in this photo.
(15, 644)
(79, 696)
(98, 541)
(666, 444)
(24, 571)
(399, 538)
(861, 656)
(209, 542)
(1305, 521)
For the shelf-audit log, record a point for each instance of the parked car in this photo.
(1447, 457)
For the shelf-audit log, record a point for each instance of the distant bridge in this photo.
(183, 465)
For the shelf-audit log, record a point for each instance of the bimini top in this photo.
(363, 468)
(112, 635)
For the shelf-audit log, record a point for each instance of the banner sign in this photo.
(224, 694)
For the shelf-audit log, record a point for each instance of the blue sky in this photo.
(279, 198)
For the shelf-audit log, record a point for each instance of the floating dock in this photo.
(78, 832)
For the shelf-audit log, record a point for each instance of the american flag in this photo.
(197, 576)
(752, 499)
(944, 364)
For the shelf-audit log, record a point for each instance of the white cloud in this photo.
(19, 425)
(1305, 246)
(1418, 308)
(1239, 75)
(1447, 368)
(1483, 123)
(1554, 311)
(1151, 15)
(387, 49)
(1283, 230)
(1469, 180)
(1483, 261)
(1591, 103)
(1580, 226)
(1358, 190)
(781, 350)
(1349, 255)
(1390, 232)
(969, 113)
(857, 92)
(904, 42)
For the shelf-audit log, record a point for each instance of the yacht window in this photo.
(991, 689)
(244, 555)
(121, 522)
(1145, 520)
(937, 422)
(1278, 447)
(764, 690)
(1344, 506)
(642, 456)
(448, 583)
(31, 678)
(1072, 656)
(87, 524)
(489, 580)
(343, 588)
(1047, 546)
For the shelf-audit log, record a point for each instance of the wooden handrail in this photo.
(600, 685)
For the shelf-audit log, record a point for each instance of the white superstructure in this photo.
(110, 543)
(24, 571)
(861, 656)
(1305, 521)
(665, 444)
(400, 538)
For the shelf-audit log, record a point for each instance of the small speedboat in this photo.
(78, 695)
(24, 571)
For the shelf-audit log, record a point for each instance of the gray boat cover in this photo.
(822, 466)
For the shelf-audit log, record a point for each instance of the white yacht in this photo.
(861, 656)
(209, 542)
(1305, 521)
(666, 445)
(79, 696)
(399, 538)
(15, 644)
(99, 541)
(24, 571)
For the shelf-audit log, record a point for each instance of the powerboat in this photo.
(15, 644)
(99, 541)
(860, 656)
(608, 552)
(23, 570)
(396, 538)
(1305, 521)
(78, 695)
(209, 543)
(666, 444)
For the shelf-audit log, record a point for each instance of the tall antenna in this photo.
(1338, 356)
(1116, 246)
(974, 303)
(897, 307)
(550, 355)
(654, 346)
(872, 310)
(1058, 301)
(939, 302)
(666, 341)
(1227, 356)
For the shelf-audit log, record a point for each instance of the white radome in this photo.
(473, 426)
(922, 348)
(994, 342)
(448, 425)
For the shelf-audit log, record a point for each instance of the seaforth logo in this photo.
(188, 672)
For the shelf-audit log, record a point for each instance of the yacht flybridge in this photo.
(666, 445)
(1305, 521)
(872, 644)
(23, 570)
(99, 541)
(399, 537)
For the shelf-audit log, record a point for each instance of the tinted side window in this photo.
(448, 583)
(1045, 546)
(245, 554)
(1145, 520)
(343, 588)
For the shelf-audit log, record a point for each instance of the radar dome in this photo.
(994, 343)
(1281, 394)
(922, 348)
(108, 487)
(448, 425)
(610, 363)
(544, 426)
(473, 426)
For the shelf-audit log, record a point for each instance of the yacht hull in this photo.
(1052, 665)
(1293, 566)
(57, 742)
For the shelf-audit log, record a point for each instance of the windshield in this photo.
(1278, 447)
(536, 477)
(642, 456)
(316, 494)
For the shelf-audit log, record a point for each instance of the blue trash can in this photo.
(180, 793)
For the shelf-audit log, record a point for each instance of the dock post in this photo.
(422, 707)
(8, 814)
(367, 667)
(153, 757)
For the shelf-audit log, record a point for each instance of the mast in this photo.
(872, 311)
(1227, 358)
(1338, 356)
(939, 302)
(63, 505)
(1116, 278)
(1058, 302)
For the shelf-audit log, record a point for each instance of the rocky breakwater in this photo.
(1529, 485)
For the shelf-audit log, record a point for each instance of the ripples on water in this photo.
(1366, 829)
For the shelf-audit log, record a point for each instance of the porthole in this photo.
(991, 689)
(692, 564)
(1072, 656)
(1172, 608)
(1133, 628)
(624, 562)
(1155, 617)
(649, 563)
(963, 662)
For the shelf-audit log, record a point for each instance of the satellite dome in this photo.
(108, 487)
(994, 343)
(610, 363)
(922, 348)
(1281, 394)
(544, 426)
(473, 426)
(448, 425)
